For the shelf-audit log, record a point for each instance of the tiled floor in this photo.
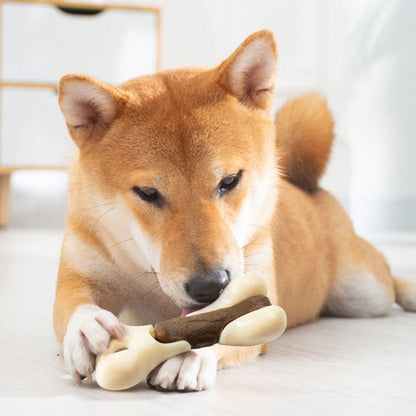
(330, 367)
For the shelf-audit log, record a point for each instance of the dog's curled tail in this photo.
(304, 134)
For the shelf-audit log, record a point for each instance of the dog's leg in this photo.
(364, 286)
(228, 356)
(81, 326)
(196, 370)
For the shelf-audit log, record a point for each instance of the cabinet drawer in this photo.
(33, 131)
(41, 43)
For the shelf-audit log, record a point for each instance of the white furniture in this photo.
(42, 40)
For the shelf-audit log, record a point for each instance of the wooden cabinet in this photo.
(40, 41)
(33, 131)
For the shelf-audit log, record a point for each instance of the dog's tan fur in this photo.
(181, 132)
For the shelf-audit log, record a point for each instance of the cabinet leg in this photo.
(4, 198)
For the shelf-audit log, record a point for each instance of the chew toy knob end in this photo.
(262, 325)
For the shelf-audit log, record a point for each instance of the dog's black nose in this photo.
(207, 287)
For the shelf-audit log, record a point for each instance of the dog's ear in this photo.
(249, 72)
(89, 106)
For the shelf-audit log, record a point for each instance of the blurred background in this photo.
(360, 54)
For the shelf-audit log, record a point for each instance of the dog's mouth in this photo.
(186, 311)
(196, 307)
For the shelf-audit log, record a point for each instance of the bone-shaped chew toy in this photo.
(241, 316)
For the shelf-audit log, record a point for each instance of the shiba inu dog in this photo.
(183, 182)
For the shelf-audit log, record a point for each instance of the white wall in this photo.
(381, 117)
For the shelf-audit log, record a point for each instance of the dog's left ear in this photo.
(249, 72)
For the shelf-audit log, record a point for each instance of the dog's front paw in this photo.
(191, 371)
(89, 332)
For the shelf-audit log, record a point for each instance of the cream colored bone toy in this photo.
(241, 316)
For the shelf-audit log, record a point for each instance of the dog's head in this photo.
(191, 155)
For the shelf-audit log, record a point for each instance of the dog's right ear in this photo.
(89, 107)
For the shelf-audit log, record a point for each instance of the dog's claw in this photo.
(88, 375)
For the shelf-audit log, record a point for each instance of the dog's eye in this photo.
(150, 195)
(229, 183)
